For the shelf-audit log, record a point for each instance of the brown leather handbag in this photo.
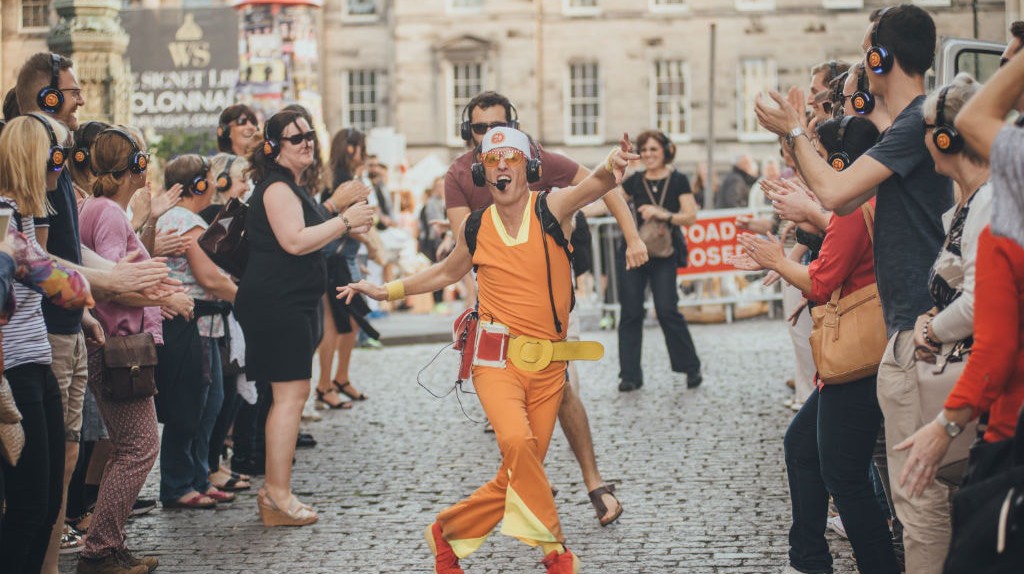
(848, 337)
(129, 368)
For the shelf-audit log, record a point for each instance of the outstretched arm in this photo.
(602, 180)
(437, 276)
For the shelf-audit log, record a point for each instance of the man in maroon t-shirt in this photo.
(461, 197)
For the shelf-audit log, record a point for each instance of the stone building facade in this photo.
(581, 72)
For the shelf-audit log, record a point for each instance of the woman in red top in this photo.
(830, 441)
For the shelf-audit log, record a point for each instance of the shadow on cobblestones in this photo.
(700, 473)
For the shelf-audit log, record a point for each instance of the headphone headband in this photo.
(137, 161)
(57, 154)
(224, 177)
(940, 107)
(945, 137)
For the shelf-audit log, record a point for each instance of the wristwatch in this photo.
(793, 134)
(952, 429)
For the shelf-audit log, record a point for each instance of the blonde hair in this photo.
(217, 165)
(110, 155)
(24, 150)
(958, 92)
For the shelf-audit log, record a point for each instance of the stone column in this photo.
(90, 33)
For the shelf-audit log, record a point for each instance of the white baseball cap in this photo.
(500, 137)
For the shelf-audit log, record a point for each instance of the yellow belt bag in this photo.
(531, 354)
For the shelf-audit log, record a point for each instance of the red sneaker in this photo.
(564, 563)
(445, 560)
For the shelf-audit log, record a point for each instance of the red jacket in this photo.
(846, 258)
(993, 379)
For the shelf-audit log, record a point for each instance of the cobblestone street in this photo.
(700, 473)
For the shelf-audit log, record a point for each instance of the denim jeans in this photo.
(184, 455)
(33, 488)
(828, 448)
(661, 273)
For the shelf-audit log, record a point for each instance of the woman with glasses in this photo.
(662, 198)
(238, 130)
(278, 294)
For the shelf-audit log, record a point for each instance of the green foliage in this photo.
(171, 145)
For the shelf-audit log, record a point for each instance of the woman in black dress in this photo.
(661, 196)
(277, 298)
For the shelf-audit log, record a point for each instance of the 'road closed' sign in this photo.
(712, 241)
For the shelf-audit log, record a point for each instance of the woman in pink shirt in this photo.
(119, 159)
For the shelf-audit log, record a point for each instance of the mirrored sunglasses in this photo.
(493, 158)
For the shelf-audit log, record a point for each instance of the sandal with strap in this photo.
(297, 513)
(599, 505)
(322, 402)
(195, 501)
(349, 391)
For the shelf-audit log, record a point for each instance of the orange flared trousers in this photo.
(522, 407)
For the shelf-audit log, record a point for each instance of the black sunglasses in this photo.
(299, 138)
(242, 120)
(481, 128)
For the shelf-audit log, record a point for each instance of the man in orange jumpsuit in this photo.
(525, 294)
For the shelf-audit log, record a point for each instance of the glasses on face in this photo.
(299, 138)
(75, 93)
(482, 128)
(245, 120)
(492, 158)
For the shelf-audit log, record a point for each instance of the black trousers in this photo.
(33, 488)
(660, 273)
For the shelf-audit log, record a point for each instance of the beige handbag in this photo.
(12, 435)
(934, 383)
(656, 235)
(848, 337)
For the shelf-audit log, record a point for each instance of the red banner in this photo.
(712, 241)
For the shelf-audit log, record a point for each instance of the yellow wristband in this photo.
(396, 290)
(608, 161)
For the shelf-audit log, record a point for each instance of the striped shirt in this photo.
(25, 338)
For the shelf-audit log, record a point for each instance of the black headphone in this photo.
(945, 137)
(534, 169)
(137, 161)
(50, 99)
(57, 154)
(862, 100)
(466, 127)
(270, 146)
(199, 185)
(667, 146)
(224, 177)
(832, 70)
(878, 58)
(80, 154)
(840, 160)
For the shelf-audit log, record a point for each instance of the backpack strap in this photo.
(551, 226)
(473, 228)
(16, 216)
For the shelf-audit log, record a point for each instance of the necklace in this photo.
(655, 184)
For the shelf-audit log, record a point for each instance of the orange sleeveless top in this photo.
(513, 277)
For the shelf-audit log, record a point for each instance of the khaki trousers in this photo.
(925, 518)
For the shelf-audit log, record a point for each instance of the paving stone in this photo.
(699, 472)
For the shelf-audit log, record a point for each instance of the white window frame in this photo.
(453, 9)
(744, 108)
(935, 3)
(687, 102)
(755, 5)
(452, 115)
(569, 10)
(32, 29)
(843, 4)
(598, 137)
(348, 107)
(659, 8)
(349, 17)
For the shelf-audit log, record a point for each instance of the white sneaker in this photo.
(835, 524)
(788, 403)
(790, 570)
(796, 406)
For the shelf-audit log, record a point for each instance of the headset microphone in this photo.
(501, 185)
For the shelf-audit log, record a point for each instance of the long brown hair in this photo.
(343, 162)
